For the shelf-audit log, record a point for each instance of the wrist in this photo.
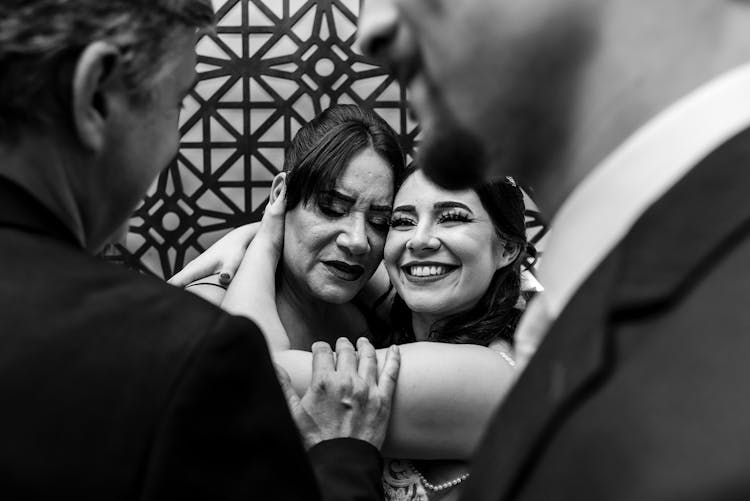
(263, 246)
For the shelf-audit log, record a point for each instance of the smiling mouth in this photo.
(345, 271)
(427, 272)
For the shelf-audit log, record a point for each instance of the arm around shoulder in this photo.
(445, 396)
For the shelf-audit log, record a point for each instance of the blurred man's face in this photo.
(146, 138)
(491, 80)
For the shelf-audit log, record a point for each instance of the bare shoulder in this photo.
(208, 288)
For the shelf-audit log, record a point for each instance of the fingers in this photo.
(389, 375)
(286, 386)
(322, 362)
(278, 206)
(196, 269)
(346, 357)
(368, 362)
(272, 224)
(276, 209)
(229, 267)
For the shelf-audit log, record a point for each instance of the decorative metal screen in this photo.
(271, 66)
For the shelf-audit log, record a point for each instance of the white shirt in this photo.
(602, 209)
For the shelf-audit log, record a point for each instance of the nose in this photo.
(353, 238)
(423, 240)
(377, 27)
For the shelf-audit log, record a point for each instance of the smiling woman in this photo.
(454, 257)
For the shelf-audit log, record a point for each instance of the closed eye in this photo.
(333, 207)
(379, 222)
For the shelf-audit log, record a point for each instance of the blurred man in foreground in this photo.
(629, 120)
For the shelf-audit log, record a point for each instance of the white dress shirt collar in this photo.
(603, 208)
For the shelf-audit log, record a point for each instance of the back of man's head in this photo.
(41, 40)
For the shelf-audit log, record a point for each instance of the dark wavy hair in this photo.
(496, 314)
(322, 149)
(41, 41)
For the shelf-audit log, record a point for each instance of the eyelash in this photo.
(445, 217)
(381, 224)
(453, 215)
(402, 221)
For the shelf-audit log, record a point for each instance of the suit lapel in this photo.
(675, 239)
(687, 230)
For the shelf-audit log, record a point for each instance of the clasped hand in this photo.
(346, 397)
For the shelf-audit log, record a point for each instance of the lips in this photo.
(345, 271)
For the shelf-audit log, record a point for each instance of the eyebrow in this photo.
(438, 205)
(452, 205)
(351, 200)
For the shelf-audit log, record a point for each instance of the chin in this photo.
(337, 295)
(425, 305)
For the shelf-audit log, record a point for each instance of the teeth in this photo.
(427, 271)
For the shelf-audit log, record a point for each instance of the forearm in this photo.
(252, 294)
(445, 397)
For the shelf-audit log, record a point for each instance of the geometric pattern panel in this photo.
(269, 67)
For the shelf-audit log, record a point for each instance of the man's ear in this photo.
(91, 84)
(508, 253)
(276, 186)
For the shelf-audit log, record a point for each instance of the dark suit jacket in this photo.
(641, 389)
(117, 386)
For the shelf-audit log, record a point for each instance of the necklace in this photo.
(439, 487)
(507, 358)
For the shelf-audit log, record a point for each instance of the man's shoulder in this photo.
(157, 305)
(76, 291)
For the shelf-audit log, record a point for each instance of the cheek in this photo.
(163, 139)
(296, 240)
(394, 245)
(478, 254)
(308, 234)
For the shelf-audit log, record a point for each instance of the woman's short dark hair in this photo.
(496, 314)
(322, 149)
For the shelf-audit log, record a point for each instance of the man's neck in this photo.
(39, 167)
(637, 71)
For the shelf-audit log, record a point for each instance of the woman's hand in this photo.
(252, 293)
(223, 258)
(271, 229)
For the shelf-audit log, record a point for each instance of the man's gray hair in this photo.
(41, 40)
